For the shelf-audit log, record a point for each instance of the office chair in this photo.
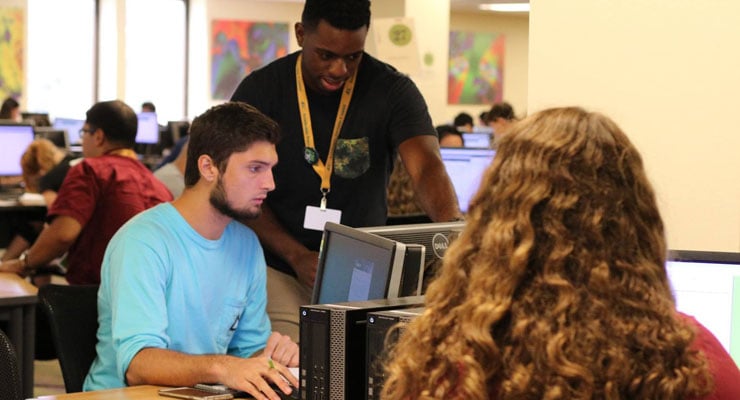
(10, 375)
(73, 316)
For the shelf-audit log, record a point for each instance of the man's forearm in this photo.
(437, 196)
(152, 366)
(53, 242)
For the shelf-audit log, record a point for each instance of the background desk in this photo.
(145, 392)
(18, 307)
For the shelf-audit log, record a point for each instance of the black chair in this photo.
(73, 316)
(10, 375)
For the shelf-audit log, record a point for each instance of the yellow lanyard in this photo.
(323, 170)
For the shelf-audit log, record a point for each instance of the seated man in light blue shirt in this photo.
(182, 295)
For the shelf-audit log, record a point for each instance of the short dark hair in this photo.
(349, 15)
(116, 119)
(501, 110)
(8, 105)
(463, 119)
(225, 129)
(148, 105)
(444, 130)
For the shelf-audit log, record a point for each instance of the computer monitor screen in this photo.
(148, 131)
(465, 166)
(36, 118)
(356, 266)
(706, 285)
(15, 139)
(57, 136)
(481, 140)
(72, 126)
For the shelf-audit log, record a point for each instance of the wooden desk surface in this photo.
(12, 285)
(144, 392)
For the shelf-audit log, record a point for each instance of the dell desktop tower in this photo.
(382, 334)
(332, 347)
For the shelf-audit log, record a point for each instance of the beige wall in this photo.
(667, 72)
(515, 27)
(432, 22)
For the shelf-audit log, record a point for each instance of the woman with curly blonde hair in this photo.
(38, 159)
(557, 289)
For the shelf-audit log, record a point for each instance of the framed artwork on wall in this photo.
(12, 29)
(476, 68)
(240, 47)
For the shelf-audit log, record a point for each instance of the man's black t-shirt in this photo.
(386, 109)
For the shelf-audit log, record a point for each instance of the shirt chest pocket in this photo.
(231, 314)
(351, 157)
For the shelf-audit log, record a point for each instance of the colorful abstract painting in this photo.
(240, 47)
(11, 52)
(476, 68)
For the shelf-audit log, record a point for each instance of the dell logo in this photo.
(440, 244)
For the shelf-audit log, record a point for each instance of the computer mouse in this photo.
(292, 396)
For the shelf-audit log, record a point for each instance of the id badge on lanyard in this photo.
(316, 217)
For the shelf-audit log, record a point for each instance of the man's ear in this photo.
(99, 137)
(207, 168)
(299, 32)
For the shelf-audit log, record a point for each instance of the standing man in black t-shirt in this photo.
(343, 115)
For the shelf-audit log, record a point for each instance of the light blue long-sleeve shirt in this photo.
(165, 286)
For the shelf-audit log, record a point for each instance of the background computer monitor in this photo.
(477, 140)
(36, 118)
(59, 137)
(15, 139)
(148, 131)
(706, 285)
(72, 126)
(357, 266)
(172, 133)
(465, 166)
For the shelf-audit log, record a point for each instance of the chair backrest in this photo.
(10, 375)
(73, 316)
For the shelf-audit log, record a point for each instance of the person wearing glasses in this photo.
(99, 194)
(182, 295)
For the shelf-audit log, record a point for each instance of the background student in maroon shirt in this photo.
(98, 195)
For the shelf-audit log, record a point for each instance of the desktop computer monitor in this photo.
(59, 137)
(706, 285)
(36, 118)
(148, 131)
(434, 236)
(357, 266)
(15, 139)
(465, 167)
(480, 140)
(72, 126)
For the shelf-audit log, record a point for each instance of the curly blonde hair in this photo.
(40, 157)
(557, 288)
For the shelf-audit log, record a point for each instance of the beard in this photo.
(221, 203)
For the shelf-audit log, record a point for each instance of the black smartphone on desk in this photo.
(194, 394)
(217, 388)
